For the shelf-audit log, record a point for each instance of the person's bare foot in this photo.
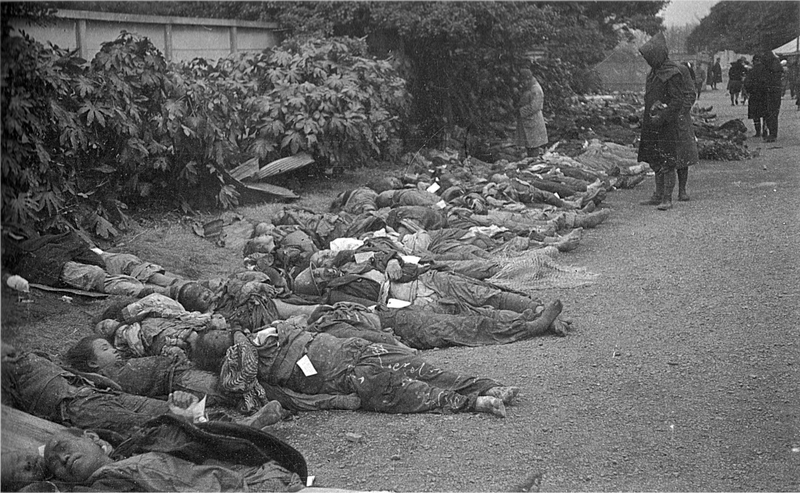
(505, 394)
(490, 405)
(542, 323)
(271, 413)
(567, 242)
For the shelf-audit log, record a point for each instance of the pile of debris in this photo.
(724, 142)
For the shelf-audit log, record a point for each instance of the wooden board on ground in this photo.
(78, 292)
(283, 165)
(260, 188)
(23, 431)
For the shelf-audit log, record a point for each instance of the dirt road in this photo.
(683, 372)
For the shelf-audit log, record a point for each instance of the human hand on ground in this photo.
(393, 270)
(181, 400)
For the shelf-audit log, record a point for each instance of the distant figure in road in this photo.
(531, 129)
(735, 76)
(716, 75)
(667, 142)
(699, 78)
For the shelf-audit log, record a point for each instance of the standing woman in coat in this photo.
(531, 129)
(717, 72)
(668, 143)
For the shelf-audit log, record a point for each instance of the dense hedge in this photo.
(82, 139)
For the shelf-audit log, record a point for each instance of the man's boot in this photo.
(669, 185)
(683, 177)
(655, 199)
(757, 125)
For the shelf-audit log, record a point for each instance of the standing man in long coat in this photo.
(774, 93)
(668, 142)
(717, 74)
(756, 85)
(531, 129)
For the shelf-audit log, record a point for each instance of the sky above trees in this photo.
(683, 12)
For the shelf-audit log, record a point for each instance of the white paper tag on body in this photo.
(395, 303)
(305, 364)
(441, 204)
(363, 257)
(434, 187)
(410, 259)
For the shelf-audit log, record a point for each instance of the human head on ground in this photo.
(385, 183)
(314, 280)
(92, 354)
(74, 455)
(210, 347)
(195, 297)
(107, 328)
(21, 468)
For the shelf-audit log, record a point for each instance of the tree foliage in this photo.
(461, 59)
(677, 36)
(80, 140)
(746, 27)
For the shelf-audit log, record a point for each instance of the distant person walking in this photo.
(716, 72)
(531, 129)
(747, 68)
(699, 79)
(668, 143)
(735, 76)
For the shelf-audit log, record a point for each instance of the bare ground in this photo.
(683, 373)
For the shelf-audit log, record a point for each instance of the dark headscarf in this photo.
(655, 51)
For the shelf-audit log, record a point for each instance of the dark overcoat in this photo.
(667, 136)
(756, 86)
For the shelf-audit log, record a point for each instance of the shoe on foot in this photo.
(664, 206)
(653, 200)
(567, 242)
(505, 394)
(490, 405)
(683, 197)
(560, 327)
(271, 413)
(531, 314)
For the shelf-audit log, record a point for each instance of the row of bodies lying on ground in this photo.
(455, 284)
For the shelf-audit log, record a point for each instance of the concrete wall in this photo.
(178, 38)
